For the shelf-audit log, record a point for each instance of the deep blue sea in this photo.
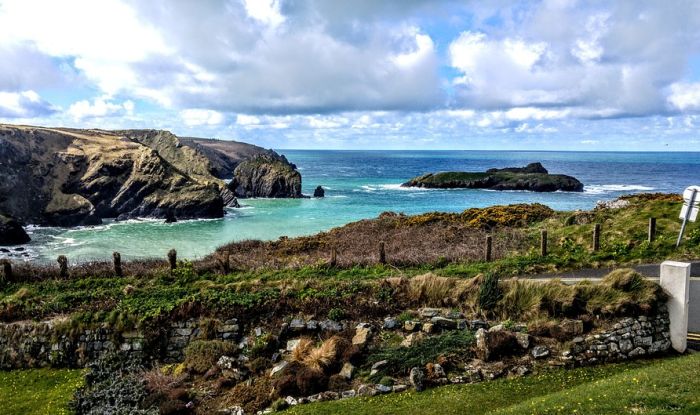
(362, 184)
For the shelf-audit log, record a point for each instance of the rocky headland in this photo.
(533, 177)
(71, 177)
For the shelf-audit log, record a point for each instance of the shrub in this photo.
(401, 359)
(113, 386)
(252, 397)
(263, 345)
(489, 292)
(201, 355)
(336, 314)
(259, 365)
(386, 381)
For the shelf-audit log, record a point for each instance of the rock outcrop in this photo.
(11, 232)
(533, 177)
(69, 177)
(266, 176)
(319, 192)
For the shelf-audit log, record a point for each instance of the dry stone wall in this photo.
(38, 344)
(628, 338)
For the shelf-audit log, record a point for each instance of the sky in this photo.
(362, 74)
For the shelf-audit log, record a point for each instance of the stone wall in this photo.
(627, 339)
(37, 344)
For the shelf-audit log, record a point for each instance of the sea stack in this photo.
(319, 192)
(533, 177)
(11, 232)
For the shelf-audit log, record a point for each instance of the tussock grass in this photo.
(321, 357)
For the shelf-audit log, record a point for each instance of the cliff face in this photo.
(67, 177)
(254, 171)
(533, 177)
(266, 176)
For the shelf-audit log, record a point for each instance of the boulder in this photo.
(390, 323)
(347, 371)
(539, 352)
(377, 367)
(523, 339)
(279, 368)
(319, 192)
(429, 312)
(412, 339)
(11, 232)
(416, 378)
(362, 335)
(411, 325)
(491, 345)
(366, 390)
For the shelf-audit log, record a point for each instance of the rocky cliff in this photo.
(533, 177)
(266, 176)
(68, 177)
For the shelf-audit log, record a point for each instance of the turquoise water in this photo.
(362, 184)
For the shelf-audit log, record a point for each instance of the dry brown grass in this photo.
(432, 290)
(409, 240)
(317, 358)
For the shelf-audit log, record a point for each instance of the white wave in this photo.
(393, 187)
(609, 188)
(337, 197)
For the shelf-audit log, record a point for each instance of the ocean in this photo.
(363, 184)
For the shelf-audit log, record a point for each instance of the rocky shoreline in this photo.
(70, 177)
(533, 177)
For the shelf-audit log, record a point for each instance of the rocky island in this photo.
(533, 177)
(71, 177)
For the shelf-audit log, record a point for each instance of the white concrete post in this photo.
(675, 280)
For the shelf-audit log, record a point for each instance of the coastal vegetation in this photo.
(296, 273)
(384, 314)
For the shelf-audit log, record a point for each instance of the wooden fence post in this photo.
(596, 237)
(543, 242)
(172, 259)
(63, 266)
(334, 257)
(382, 253)
(7, 270)
(652, 230)
(117, 257)
(488, 248)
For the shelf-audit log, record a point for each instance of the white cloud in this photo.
(265, 11)
(104, 37)
(25, 104)
(99, 108)
(196, 116)
(620, 62)
(685, 96)
(245, 119)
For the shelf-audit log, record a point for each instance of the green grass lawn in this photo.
(660, 386)
(38, 391)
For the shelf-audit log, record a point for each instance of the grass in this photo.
(659, 386)
(294, 270)
(38, 391)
